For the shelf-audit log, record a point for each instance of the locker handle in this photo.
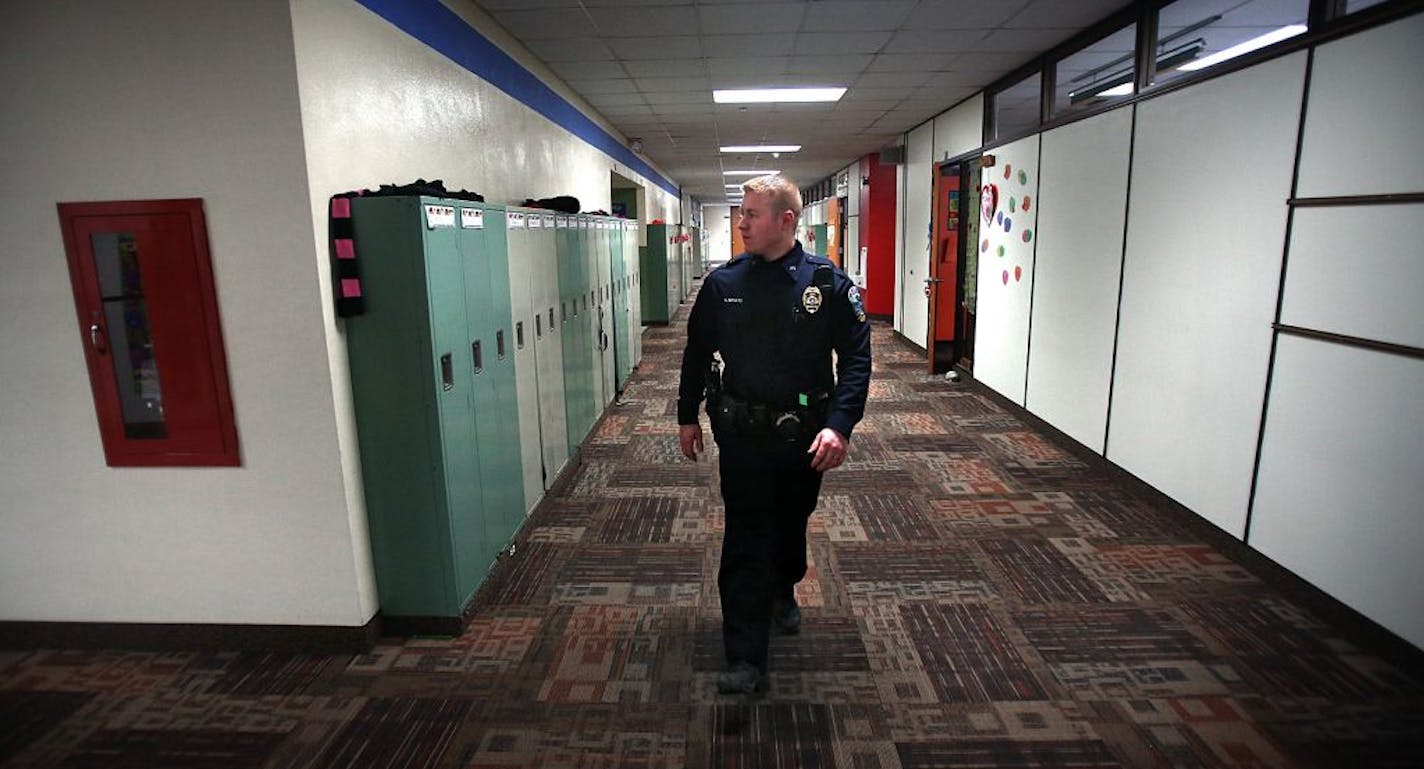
(519, 335)
(447, 373)
(499, 343)
(478, 356)
(539, 326)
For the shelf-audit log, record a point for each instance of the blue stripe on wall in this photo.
(432, 23)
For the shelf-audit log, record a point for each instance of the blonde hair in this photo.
(783, 193)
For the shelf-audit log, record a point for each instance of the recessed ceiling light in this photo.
(762, 148)
(764, 95)
(750, 173)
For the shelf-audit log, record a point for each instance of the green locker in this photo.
(414, 390)
(484, 249)
(661, 269)
(817, 234)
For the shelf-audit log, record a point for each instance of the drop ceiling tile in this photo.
(627, 110)
(1030, 42)
(666, 68)
(729, 46)
(832, 43)
(615, 99)
(960, 14)
(571, 49)
(596, 87)
(748, 65)
(645, 22)
(679, 97)
(1079, 14)
(839, 16)
(932, 41)
(891, 79)
(588, 70)
(911, 62)
(844, 64)
(667, 84)
(672, 47)
(754, 18)
(545, 24)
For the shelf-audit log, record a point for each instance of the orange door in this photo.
(944, 259)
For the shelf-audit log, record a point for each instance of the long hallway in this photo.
(978, 597)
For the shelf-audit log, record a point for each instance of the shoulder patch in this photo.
(856, 305)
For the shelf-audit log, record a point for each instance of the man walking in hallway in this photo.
(779, 413)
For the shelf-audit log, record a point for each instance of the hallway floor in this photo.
(978, 597)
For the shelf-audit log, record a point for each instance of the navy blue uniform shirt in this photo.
(775, 330)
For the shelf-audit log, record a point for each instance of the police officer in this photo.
(778, 413)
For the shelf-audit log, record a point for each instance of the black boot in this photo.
(742, 678)
(786, 616)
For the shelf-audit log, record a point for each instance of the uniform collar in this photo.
(791, 264)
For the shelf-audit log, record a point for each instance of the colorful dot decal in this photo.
(1023, 177)
(1011, 205)
(1018, 274)
(1008, 224)
(1026, 202)
(1008, 170)
(999, 217)
(1027, 235)
(1001, 250)
(1006, 277)
(984, 246)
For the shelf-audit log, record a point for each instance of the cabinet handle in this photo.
(478, 356)
(499, 343)
(447, 373)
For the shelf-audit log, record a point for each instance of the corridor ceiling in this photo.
(649, 67)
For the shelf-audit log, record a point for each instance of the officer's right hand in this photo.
(690, 436)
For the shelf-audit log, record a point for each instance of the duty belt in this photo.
(751, 419)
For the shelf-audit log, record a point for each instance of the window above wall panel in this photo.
(1097, 74)
(1195, 35)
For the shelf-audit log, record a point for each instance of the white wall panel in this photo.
(1082, 202)
(898, 319)
(1007, 238)
(1356, 270)
(1365, 113)
(1342, 478)
(1206, 229)
(959, 130)
(919, 198)
(169, 99)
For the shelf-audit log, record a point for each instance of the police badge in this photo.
(811, 299)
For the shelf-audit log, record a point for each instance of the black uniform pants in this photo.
(769, 495)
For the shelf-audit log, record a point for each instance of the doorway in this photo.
(953, 265)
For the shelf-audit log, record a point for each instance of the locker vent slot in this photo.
(447, 373)
(519, 334)
(479, 356)
(499, 343)
(551, 318)
(539, 326)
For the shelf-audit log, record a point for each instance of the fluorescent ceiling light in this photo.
(750, 173)
(765, 95)
(762, 148)
(1244, 48)
(1121, 90)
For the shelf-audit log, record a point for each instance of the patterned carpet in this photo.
(978, 597)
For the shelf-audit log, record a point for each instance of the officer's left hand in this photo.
(829, 449)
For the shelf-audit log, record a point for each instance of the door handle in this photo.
(96, 339)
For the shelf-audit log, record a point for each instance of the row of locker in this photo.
(493, 339)
(671, 260)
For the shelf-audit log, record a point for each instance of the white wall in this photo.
(913, 308)
(719, 226)
(959, 130)
(1006, 262)
(1077, 265)
(1341, 479)
(159, 100)
(1211, 172)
